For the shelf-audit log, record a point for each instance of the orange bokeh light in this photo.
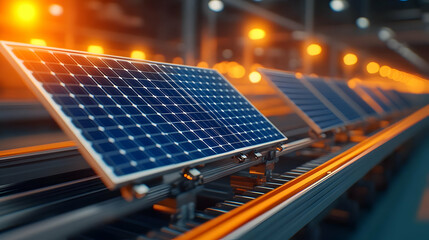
(350, 59)
(257, 34)
(314, 49)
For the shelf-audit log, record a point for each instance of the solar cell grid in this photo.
(136, 118)
(312, 109)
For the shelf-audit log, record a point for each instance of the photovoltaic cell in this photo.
(137, 118)
(309, 106)
(335, 99)
(355, 98)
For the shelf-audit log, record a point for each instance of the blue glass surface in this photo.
(356, 98)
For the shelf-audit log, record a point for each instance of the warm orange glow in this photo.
(394, 74)
(372, 67)
(187, 176)
(25, 12)
(384, 71)
(221, 67)
(178, 60)
(159, 58)
(255, 66)
(36, 148)
(299, 75)
(256, 34)
(38, 41)
(235, 70)
(161, 208)
(203, 64)
(350, 59)
(255, 77)
(137, 54)
(95, 49)
(352, 83)
(314, 49)
(56, 10)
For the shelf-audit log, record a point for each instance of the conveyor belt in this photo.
(49, 208)
(240, 221)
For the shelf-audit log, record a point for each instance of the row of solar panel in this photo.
(135, 119)
(327, 104)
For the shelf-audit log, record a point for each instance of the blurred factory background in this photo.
(380, 42)
(337, 38)
(374, 41)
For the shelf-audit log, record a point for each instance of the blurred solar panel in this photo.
(335, 99)
(385, 107)
(136, 118)
(402, 98)
(304, 101)
(395, 101)
(365, 107)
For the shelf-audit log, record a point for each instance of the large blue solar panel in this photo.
(335, 99)
(137, 118)
(307, 105)
(355, 98)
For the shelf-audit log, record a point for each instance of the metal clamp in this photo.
(242, 157)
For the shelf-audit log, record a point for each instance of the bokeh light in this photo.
(257, 34)
(384, 71)
(95, 49)
(314, 49)
(38, 41)
(350, 59)
(255, 77)
(56, 10)
(372, 67)
(25, 13)
(138, 54)
(203, 64)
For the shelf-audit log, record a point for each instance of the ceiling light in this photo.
(338, 5)
(216, 5)
(362, 22)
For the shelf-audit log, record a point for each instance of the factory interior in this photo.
(214, 119)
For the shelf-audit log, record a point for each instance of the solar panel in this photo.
(386, 108)
(335, 99)
(354, 97)
(393, 99)
(304, 101)
(402, 98)
(386, 100)
(135, 119)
